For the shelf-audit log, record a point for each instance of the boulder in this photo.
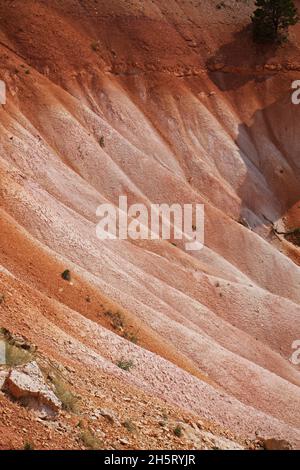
(276, 444)
(27, 385)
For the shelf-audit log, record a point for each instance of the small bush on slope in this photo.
(272, 18)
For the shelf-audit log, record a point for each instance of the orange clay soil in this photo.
(164, 101)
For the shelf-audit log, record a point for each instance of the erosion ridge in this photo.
(190, 110)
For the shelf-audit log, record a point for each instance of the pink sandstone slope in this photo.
(191, 112)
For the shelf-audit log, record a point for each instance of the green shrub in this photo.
(66, 275)
(28, 446)
(272, 18)
(102, 142)
(129, 426)
(64, 394)
(117, 320)
(124, 364)
(90, 440)
(178, 431)
(16, 356)
(131, 336)
(94, 46)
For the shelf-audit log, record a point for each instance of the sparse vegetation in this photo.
(131, 336)
(220, 5)
(272, 18)
(178, 431)
(124, 364)
(163, 422)
(102, 142)
(17, 350)
(129, 425)
(66, 275)
(16, 356)
(94, 46)
(117, 320)
(28, 445)
(90, 440)
(61, 389)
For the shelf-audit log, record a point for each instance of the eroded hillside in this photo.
(163, 101)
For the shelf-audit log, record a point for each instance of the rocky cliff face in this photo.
(163, 101)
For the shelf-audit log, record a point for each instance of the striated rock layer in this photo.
(164, 101)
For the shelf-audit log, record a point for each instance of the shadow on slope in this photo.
(237, 62)
(269, 147)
